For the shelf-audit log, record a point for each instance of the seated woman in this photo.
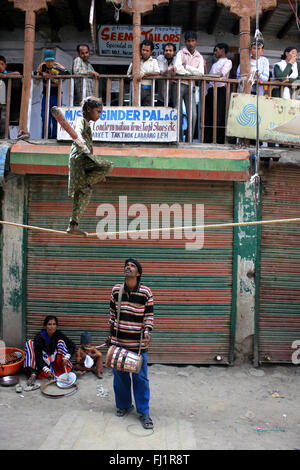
(48, 354)
(286, 71)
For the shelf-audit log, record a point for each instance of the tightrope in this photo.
(158, 229)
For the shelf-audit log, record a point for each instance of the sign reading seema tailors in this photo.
(127, 124)
(278, 118)
(116, 40)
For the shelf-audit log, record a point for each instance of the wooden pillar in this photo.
(137, 7)
(29, 38)
(136, 60)
(245, 10)
(31, 7)
(245, 50)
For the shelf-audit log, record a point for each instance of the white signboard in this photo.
(116, 40)
(127, 124)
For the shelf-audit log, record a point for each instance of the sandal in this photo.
(123, 412)
(19, 388)
(30, 388)
(146, 421)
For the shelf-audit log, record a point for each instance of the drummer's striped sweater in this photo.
(136, 313)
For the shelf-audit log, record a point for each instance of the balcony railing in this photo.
(116, 90)
(7, 84)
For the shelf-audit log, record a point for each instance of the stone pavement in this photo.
(89, 430)
(192, 407)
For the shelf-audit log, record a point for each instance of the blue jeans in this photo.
(141, 390)
(52, 123)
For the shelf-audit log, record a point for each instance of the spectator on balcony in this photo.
(188, 62)
(149, 68)
(222, 68)
(3, 70)
(286, 71)
(263, 67)
(82, 66)
(166, 63)
(47, 69)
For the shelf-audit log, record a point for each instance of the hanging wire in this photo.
(258, 36)
(295, 13)
(255, 179)
(117, 10)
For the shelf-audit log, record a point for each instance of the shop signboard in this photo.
(127, 124)
(117, 40)
(278, 119)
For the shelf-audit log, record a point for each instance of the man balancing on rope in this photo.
(85, 170)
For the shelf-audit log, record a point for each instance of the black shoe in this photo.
(123, 412)
(146, 421)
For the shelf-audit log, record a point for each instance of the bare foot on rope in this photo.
(74, 230)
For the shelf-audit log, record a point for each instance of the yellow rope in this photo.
(32, 227)
(161, 229)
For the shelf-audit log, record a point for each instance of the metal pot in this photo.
(9, 380)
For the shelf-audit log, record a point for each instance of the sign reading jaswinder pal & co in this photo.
(127, 124)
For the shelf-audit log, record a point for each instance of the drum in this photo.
(123, 360)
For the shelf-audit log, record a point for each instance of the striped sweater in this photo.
(136, 313)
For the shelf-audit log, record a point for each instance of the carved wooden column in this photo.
(136, 61)
(31, 7)
(246, 10)
(244, 51)
(137, 7)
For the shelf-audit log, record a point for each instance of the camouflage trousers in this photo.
(84, 172)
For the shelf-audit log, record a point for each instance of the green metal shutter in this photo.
(72, 277)
(279, 298)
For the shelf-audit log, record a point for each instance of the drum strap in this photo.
(121, 290)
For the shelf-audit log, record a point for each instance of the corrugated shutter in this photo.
(72, 277)
(279, 305)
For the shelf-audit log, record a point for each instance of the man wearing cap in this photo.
(47, 69)
(136, 314)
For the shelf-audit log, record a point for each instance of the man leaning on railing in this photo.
(3, 70)
(148, 69)
(48, 69)
(82, 66)
(189, 62)
(166, 63)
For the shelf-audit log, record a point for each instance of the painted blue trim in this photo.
(3, 154)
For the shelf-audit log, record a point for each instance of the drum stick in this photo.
(58, 115)
(100, 346)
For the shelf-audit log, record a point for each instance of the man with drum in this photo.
(132, 332)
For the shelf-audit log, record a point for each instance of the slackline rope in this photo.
(161, 229)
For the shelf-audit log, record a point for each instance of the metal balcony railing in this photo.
(7, 82)
(117, 90)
